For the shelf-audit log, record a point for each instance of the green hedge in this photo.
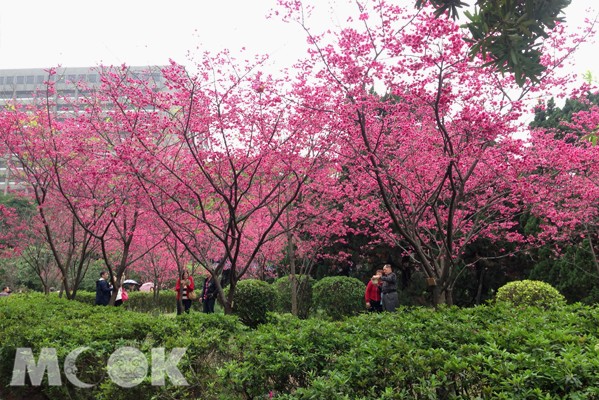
(498, 352)
(252, 300)
(142, 301)
(339, 296)
(37, 321)
(530, 293)
(488, 352)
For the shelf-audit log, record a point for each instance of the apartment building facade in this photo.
(29, 85)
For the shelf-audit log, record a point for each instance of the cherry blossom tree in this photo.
(164, 262)
(224, 157)
(429, 128)
(28, 133)
(388, 127)
(12, 231)
(74, 162)
(38, 258)
(561, 187)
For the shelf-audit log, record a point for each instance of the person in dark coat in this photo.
(103, 290)
(389, 288)
(209, 293)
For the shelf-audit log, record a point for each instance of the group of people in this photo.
(380, 295)
(104, 291)
(381, 290)
(185, 289)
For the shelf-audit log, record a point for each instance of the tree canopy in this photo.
(507, 32)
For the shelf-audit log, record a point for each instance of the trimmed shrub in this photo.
(339, 296)
(146, 302)
(36, 321)
(82, 296)
(530, 293)
(490, 352)
(304, 295)
(252, 300)
(165, 303)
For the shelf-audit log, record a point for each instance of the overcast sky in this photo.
(78, 33)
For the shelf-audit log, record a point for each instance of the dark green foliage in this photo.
(530, 293)
(304, 295)
(553, 118)
(507, 31)
(166, 302)
(339, 296)
(485, 268)
(573, 272)
(252, 300)
(38, 321)
(486, 352)
(444, 6)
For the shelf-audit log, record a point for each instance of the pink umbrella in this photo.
(147, 287)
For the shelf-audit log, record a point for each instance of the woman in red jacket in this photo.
(184, 287)
(373, 293)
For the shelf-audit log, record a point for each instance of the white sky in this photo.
(78, 33)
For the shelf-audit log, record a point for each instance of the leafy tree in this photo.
(573, 272)
(507, 32)
(558, 121)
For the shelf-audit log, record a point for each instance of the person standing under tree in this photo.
(209, 295)
(184, 287)
(373, 293)
(389, 288)
(121, 294)
(103, 290)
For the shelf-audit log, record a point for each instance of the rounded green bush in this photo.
(304, 295)
(252, 300)
(339, 296)
(530, 293)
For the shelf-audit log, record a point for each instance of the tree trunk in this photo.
(227, 300)
(442, 295)
(479, 290)
(292, 277)
(592, 248)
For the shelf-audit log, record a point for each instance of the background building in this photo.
(29, 85)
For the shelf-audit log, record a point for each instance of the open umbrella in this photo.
(131, 282)
(147, 287)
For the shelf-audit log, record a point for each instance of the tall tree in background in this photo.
(220, 156)
(562, 174)
(28, 132)
(437, 146)
(507, 33)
